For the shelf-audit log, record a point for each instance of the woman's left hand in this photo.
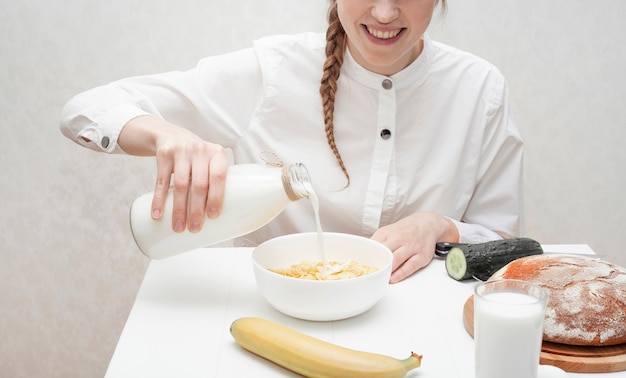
(412, 241)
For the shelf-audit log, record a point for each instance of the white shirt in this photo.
(452, 148)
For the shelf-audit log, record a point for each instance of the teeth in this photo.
(383, 34)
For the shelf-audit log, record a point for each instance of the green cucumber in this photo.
(481, 260)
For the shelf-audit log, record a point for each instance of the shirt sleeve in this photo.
(496, 208)
(474, 233)
(215, 100)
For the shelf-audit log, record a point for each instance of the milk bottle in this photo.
(254, 195)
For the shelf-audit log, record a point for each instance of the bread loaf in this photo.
(587, 297)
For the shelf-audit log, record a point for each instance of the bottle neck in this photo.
(296, 181)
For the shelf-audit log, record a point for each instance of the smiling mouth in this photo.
(383, 34)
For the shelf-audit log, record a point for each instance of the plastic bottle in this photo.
(254, 195)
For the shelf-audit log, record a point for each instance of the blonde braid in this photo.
(336, 42)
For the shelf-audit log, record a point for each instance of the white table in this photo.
(179, 324)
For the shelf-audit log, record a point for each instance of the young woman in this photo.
(407, 141)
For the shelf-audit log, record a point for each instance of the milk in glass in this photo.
(508, 329)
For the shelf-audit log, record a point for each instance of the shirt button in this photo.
(385, 134)
(104, 142)
(387, 84)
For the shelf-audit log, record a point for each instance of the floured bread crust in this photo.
(587, 297)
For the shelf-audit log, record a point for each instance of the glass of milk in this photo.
(508, 328)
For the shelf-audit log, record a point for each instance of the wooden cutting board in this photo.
(572, 358)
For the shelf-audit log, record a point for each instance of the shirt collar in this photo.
(412, 74)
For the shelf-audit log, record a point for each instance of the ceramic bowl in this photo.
(321, 300)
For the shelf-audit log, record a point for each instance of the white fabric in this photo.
(453, 148)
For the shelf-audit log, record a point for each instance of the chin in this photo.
(384, 66)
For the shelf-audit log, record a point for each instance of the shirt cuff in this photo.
(107, 127)
(474, 233)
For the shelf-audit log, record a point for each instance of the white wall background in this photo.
(69, 269)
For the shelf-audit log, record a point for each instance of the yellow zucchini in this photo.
(312, 357)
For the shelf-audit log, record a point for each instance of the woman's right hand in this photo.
(196, 168)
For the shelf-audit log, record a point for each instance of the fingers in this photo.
(206, 195)
(198, 193)
(407, 263)
(196, 170)
(182, 176)
(407, 258)
(412, 240)
(217, 180)
(164, 173)
(199, 180)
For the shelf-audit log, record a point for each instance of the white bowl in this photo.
(321, 300)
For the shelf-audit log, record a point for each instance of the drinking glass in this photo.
(508, 328)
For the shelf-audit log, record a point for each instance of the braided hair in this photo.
(336, 42)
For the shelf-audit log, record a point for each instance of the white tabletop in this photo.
(179, 324)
